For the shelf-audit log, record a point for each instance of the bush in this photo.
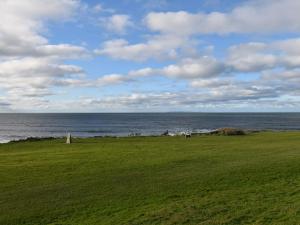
(230, 131)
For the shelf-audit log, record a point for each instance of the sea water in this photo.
(21, 126)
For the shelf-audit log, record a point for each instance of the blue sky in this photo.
(138, 55)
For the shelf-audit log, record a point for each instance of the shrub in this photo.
(230, 131)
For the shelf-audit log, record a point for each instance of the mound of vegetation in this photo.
(229, 131)
(33, 139)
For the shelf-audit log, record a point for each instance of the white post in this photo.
(69, 139)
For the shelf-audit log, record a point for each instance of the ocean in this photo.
(21, 126)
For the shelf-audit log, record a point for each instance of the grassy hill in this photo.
(252, 179)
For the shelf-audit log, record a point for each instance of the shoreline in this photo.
(212, 132)
(129, 134)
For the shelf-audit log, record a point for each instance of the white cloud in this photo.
(190, 100)
(194, 68)
(256, 57)
(251, 57)
(176, 30)
(210, 72)
(32, 68)
(211, 83)
(57, 51)
(22, 22)
(33, 76)
(290, 46)
(218, 79)
(29, 65)
(188, 68)
(111, 79)
(256, 16)
(282, 76)
(118, 23)
(157, 47)
(22, 25)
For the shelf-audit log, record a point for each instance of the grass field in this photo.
(252, 179)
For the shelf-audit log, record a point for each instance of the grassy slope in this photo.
(253, 179)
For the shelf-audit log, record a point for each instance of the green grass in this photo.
(253, 179)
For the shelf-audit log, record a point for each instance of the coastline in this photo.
(131, 135)
(14, 127)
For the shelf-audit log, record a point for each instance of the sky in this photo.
(149, 56)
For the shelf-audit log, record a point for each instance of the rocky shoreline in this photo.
(220, 131)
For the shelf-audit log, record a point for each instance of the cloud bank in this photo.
(168, 52)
